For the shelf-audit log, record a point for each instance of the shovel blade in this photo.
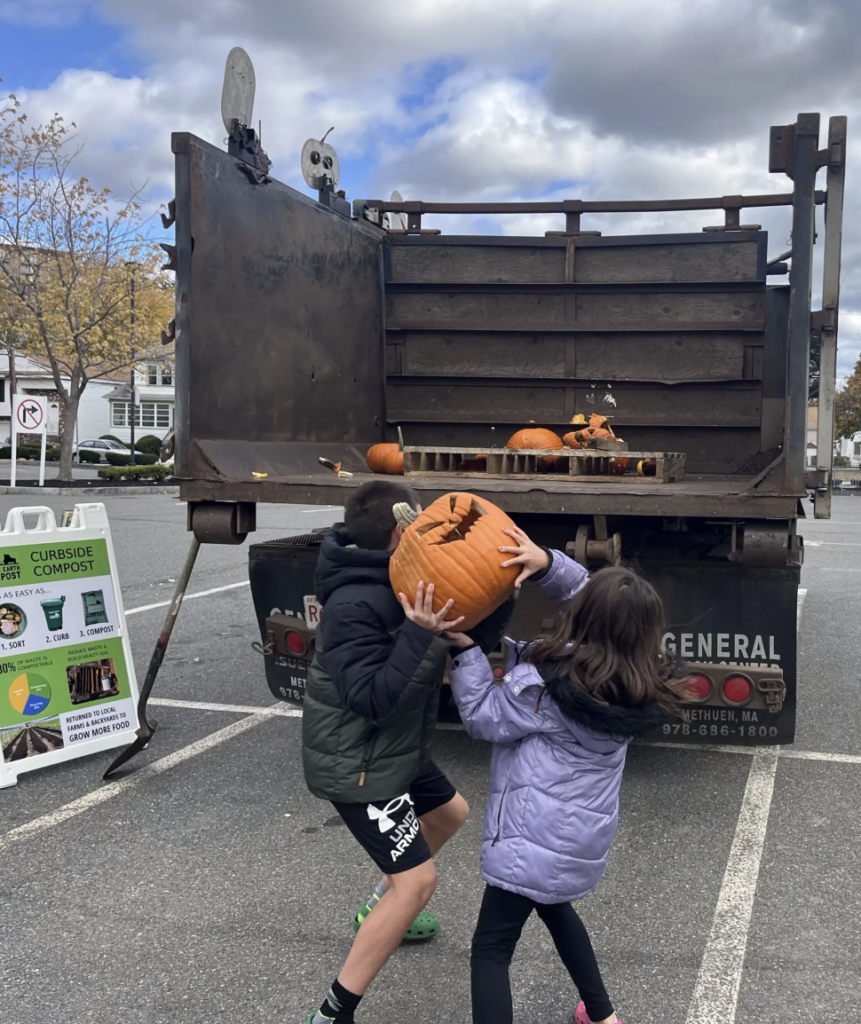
(144, 735)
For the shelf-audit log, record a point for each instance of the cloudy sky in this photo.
(442, 99)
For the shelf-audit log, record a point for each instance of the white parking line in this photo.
(716, 992)
(112, 789)
(238, 709)
(188, 597)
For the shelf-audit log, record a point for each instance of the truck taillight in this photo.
(700, 686)
(737, 689)
(295, 642)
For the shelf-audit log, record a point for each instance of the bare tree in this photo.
(72, 263)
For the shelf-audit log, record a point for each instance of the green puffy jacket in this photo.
(373, 688)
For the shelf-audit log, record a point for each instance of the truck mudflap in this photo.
(281, 573)
(737, 626)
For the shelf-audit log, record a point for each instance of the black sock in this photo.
(340, 1004)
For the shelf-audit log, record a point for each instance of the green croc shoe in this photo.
(425, 926)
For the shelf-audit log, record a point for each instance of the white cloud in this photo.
(622, 99)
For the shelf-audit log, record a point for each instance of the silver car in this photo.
(101, 447)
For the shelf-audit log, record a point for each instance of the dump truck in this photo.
(310, 327)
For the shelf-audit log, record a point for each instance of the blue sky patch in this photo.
(32, 58)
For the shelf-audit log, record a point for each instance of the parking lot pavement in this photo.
(209, 885)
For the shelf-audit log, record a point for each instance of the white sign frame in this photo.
(88, 522)
(20, 405)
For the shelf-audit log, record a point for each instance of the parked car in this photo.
(101, 447)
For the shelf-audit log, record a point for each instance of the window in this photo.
(156, 374)
(2, 389)
(858, 447)
(147, 414)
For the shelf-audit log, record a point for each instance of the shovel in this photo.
(147, 728)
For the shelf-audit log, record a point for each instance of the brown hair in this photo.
(609, 644)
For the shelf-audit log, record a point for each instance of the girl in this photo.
(560, 721)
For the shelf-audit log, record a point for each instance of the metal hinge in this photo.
(823, 320)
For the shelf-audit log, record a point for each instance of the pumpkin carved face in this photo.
(376, 457)
(454, 544)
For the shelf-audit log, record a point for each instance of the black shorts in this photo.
(388, 830)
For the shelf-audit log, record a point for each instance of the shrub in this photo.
(149, 444)
(89, 457)
(136, 473)
(30, 451)
(117, 459)
(145, 459)
(110, 437)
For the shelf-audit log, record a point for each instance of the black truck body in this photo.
(304, 332)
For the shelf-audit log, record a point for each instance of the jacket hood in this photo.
(341, 564)
(607, 719)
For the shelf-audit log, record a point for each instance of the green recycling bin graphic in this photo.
(53, 610)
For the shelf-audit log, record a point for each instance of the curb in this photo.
(92, 492)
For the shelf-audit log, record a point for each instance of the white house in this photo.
(103, 408)
(154, 402)
(850, 447)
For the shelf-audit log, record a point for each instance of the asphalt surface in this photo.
(219, 890)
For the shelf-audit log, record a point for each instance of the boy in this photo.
(369, 716)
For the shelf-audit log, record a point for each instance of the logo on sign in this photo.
(10, 570)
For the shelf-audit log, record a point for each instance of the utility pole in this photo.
(132, 404)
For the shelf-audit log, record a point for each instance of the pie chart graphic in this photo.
(29, 694)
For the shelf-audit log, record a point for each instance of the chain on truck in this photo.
(308, 329)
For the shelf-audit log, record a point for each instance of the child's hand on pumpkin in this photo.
(527, 554)
(423, 614)
(459, 639)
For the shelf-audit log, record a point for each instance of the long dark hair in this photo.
(609, 644)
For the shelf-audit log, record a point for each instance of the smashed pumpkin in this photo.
(454, 544)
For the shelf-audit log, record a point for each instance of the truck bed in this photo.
(293, 474)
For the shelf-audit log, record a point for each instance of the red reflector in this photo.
(700, 686)
(737, 689)
(296, 643)
(498, 673)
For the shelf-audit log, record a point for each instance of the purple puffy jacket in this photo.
(556, 768)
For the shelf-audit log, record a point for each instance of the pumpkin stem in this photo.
(405, 515)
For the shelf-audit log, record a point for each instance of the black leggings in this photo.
(500, 922)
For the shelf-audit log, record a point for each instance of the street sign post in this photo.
(29, 416)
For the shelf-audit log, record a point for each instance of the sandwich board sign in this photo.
(67, 680)
(29, 416)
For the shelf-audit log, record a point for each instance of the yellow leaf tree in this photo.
(80, 282)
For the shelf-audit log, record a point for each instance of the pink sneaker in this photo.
(581, 1017)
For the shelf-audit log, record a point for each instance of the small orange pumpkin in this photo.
(376, 457)
(571, 440)
(393, 462)
(619, 466)
(454, 544)
(537, 437)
